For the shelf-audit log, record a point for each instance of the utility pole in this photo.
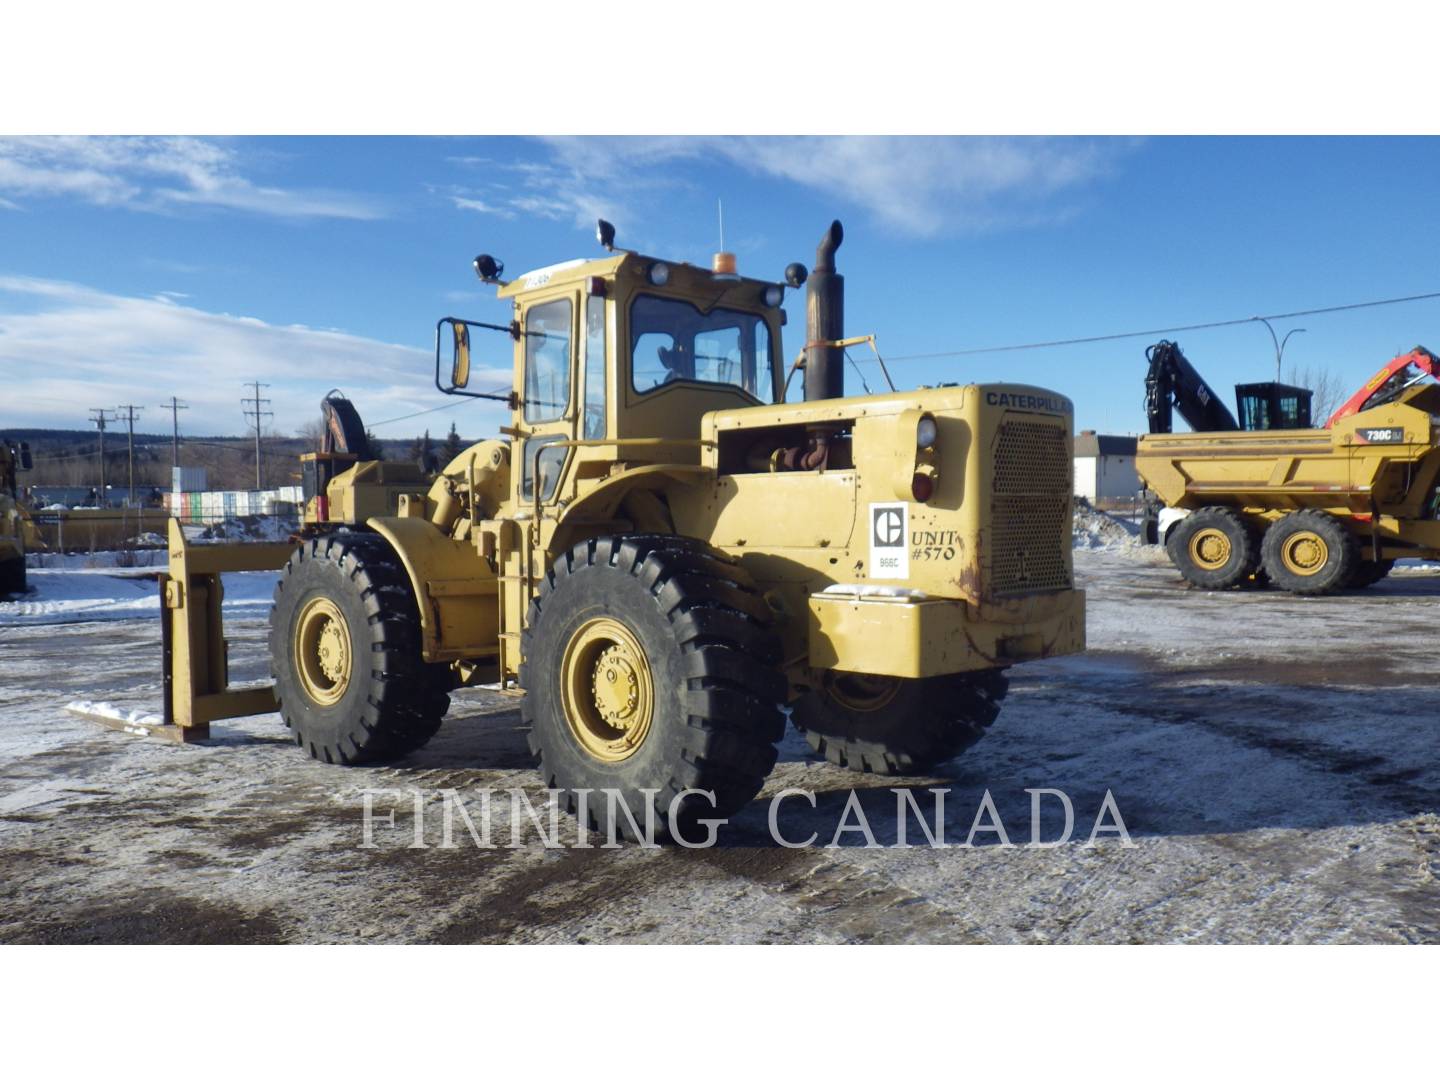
(255, 416)
(129, 418)
(175, 405)
(101, 417)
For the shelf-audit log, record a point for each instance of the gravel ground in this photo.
(1273, 759)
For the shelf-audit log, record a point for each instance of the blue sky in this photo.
(134, 269)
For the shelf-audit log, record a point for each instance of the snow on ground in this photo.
(94, 593)
(1275, 759)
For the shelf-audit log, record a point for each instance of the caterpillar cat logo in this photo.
(889, 524)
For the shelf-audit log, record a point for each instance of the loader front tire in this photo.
(651, 667)
(1310, 553)
(898, 727)
(1213, 548)
(345, 653)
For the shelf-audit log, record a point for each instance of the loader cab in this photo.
(617, 359)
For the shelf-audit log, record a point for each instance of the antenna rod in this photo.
(720, 210)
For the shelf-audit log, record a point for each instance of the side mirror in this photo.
(460, 359)
(605, 233)
(26, 462)
(454, 378)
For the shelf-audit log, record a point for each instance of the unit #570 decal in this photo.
(931, 545)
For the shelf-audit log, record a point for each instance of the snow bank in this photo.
(68, 596)
(260, 527)
(1097, 529)
(96, 560)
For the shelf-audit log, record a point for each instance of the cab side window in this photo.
(594, 413)
(547, 361)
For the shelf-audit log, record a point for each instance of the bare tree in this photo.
(1328, 392)
(312, 431)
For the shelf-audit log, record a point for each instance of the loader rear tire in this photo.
(1213, 548)
(898, 727)
(1310, 553)
(345, 653)
(651, 664)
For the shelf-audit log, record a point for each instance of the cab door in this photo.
(546, 385)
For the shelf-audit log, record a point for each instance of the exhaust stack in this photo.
(825, 321)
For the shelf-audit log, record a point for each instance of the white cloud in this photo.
(154, 174)
(920, 186)
(482, 207)
(65, 348)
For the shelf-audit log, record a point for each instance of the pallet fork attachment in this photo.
(196, 673)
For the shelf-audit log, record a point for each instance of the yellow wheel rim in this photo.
(1305, 553)
(607, 690)
(1210, 549)
(322, 651)
(863, 693)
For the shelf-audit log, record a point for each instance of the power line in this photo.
(437, 408)
(175, 405)
(129, 418)
(1162, 330)
(255, 415)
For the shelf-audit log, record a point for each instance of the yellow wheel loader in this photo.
(662, 553)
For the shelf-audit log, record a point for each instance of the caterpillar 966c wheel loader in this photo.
(661, 553)
(1312, 510)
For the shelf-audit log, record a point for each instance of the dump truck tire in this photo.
(898, 727)
(1367, 572)
(651, 664)
(1213, 548)
(1310, 553)
(345, 653)
(12, 576)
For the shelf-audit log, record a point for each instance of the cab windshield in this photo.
(673, 341)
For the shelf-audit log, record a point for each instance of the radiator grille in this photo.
(1032, 459)
(1031, 510)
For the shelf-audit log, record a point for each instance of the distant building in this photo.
(1105, 466)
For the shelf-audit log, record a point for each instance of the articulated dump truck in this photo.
(1311, 509)
(662, 555)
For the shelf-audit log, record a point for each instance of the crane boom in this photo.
(1173, 383)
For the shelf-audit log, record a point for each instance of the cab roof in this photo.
(684, 277)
